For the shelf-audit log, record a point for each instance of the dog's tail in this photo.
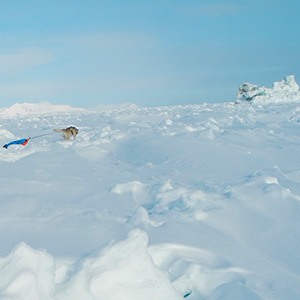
(58, 130)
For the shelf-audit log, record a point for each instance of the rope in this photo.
(38, 136)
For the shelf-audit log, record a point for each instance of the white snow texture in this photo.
(195, 202)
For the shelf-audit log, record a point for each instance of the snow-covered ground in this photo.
(199, 201)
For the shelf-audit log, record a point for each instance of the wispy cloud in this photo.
(15, 62)
(111, 41)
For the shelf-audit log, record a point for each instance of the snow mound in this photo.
(122, 271)
(200, 274)
(286, 90)
(23, 109)
(27, 274)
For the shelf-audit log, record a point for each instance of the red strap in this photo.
(25, 142)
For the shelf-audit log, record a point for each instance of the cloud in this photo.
(15, 62)
(110, 41)
(109, 55)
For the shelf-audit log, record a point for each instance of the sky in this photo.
(151, 53)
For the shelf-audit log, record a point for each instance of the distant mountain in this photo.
(21, 109)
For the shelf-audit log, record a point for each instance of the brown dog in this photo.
(68, 132)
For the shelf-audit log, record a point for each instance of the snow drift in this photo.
(195, 202)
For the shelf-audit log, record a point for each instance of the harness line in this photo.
(25, 141)
(38, 136)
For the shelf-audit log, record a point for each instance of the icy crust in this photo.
(284, 91)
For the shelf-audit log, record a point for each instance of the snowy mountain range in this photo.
(196, 201)
(22, 109)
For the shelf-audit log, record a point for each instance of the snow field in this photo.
(198, 201)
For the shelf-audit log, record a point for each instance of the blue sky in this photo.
(151, 53)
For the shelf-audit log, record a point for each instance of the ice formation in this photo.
(286, 90)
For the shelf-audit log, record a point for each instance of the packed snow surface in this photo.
(195, 202)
